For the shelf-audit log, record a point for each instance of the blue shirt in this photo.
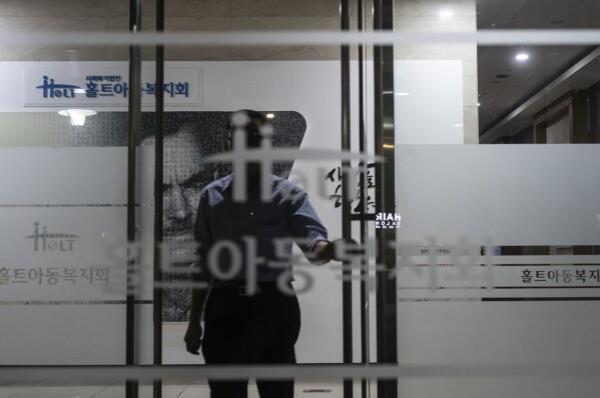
(288, 216)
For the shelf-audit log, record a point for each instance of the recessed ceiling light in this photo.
(522, 57)
(446, 13)
(77, 115)
(270, 116)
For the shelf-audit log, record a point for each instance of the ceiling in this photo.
(505, 83)
(584, 75)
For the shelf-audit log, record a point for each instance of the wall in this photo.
(423, 16)
(594, 103)
(230, 15)
(181, 15)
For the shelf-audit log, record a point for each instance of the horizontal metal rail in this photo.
(494, 37)
(113, 375)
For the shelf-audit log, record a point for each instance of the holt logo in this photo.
(51, 89)
(45, 241)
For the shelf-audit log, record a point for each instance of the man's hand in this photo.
(339, 250)
(193, 338)
(347, 250)
(322, 252)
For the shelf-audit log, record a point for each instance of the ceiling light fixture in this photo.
(270, 116)
(522, 57)
(77, 115)
(445, 14)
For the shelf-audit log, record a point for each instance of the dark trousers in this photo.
(241, 329)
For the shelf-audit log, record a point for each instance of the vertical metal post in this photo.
(362, 145)
(383, 19)
(346, 222)
(157, 299)
(134, 129)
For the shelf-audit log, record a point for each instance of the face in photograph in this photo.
(182, 184)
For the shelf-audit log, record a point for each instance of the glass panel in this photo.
(297, 88)
(489, 238)
(62, 285)
(480, 261)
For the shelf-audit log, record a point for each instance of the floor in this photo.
(321, 390)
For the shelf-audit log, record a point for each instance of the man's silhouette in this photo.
(261, 326)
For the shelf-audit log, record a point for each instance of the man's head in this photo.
(254, 125)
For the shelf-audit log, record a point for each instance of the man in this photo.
(243, 327)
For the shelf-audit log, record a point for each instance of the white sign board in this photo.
(76, 85)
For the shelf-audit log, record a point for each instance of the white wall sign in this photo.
(75, 84)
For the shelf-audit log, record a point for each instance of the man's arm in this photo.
(308, 228)
(193, 335)
(198, 298)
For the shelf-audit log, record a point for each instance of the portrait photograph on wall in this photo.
(189, 137)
